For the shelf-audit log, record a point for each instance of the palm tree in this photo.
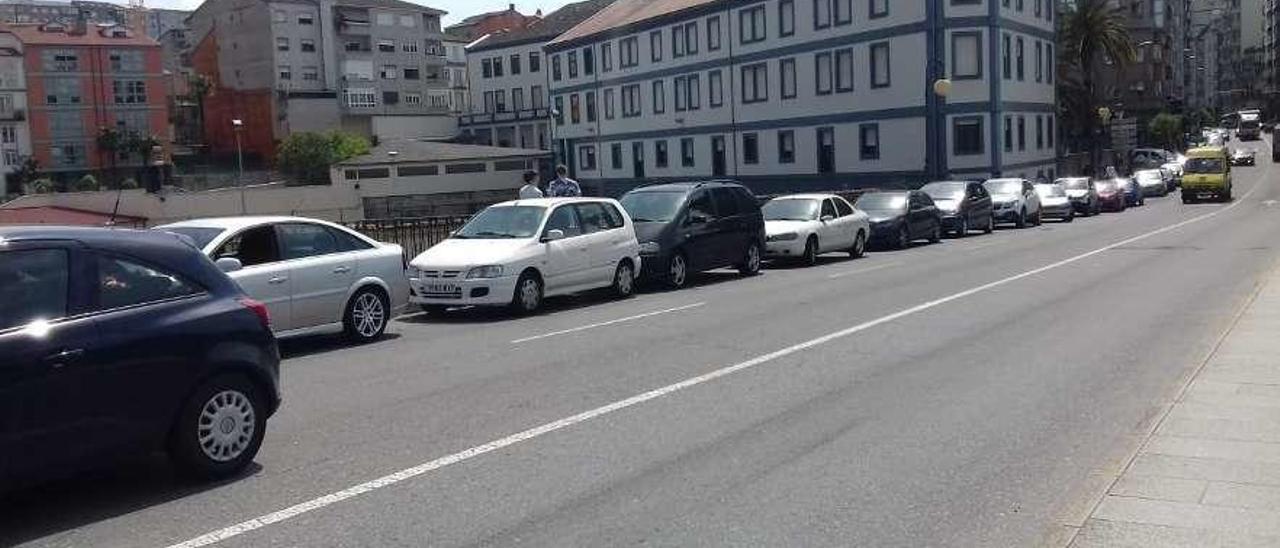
(1092, 31)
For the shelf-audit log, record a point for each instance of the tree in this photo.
(110, 142)
(306, 157)
(1092, 31)
(42, 186)
(27, 172)
(1167, 130)
(200, 86)
(87, 183)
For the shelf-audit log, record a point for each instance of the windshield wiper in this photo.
(643, 220)
(491, 235)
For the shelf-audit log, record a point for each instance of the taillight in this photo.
(258, 309)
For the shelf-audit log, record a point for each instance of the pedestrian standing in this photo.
(562, 186)
(530, 189)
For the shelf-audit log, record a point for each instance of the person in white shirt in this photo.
(530, 189)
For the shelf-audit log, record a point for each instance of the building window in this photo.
(285, 72)
(307, 45)
(407, 21)
(412, 74)
(826, 150)
(1022, 133)
(615, 155)
(631, 101)
(629, 50)
(1039, 133)
(573, 64)
(1008, 134)
(555, 68)
(681, 84)
(1039, 62)
(608, 104)
(497, 67)
(880, 75)
(587, 158)
(677, 41)
(713, 33)
(62, 91)
(360, 98)
(486, 68)
(536, 98)
(535, 61)
(752, 25)
(387, 46)
(389, 72)
(1021, 60)
(390, 97)
(879, 8)
(842, 12)
(126, 61)
(659, 96)
(786, 147)
(822, 73)
(559, 109)
(686, 152)
(1006, 57)
(869, 141)
(787, 77)
(575, 109)
(660, 153)
(60, 61)
(691, 38)
(588, 62)
(655, 45)
(67, 155)
(1049, 130)
(821, 14)
(695, 92)
(386, 19)
(750, 149)
(966, 55)
(786, 18)
(129, 92)
(755, 83)
(282, 44)
(967, 136)
(306, 19)
(500, 100)
(279, 16)
(591, 106)
(844, 70)
(1048, 62)
(408, 46)
(715, 89)
(606, 56)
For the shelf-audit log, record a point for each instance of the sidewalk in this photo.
(1210, 474)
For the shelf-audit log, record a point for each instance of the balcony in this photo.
(13, 114)
(353, 23)
(508, 116)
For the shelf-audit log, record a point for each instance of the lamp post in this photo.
(941, 89)
(237, 127)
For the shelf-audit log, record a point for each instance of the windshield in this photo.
(791, 210)
(1074, 184)
(199, 235)
(653, 206)
(503, 222)
(882, 201)
(945, 191)
(1104, 187)
(1149, 176)
(997, 186)
(1050, 191)
(1203, 165)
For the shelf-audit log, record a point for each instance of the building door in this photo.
(717, 156)
(826, 150)
(637, 159)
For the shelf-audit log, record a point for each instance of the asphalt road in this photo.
(966, 393)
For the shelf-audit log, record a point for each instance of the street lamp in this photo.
(237, 127)
(941, 89)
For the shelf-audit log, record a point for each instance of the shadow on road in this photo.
(299, 347)
(83, 499)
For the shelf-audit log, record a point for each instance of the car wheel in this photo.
(528, 294)
(434, 309)
(1226, 196)
(1039, 219)
(1022, 219)
(859, 245)
(1071, 216)
(964, 227)
(367, 314)
(936, 235)
(220, 428)
(751, 263)
(677, 271)
(1186, 199)
(904, 238)
(624, 280)
(810, 256)
(991, 224)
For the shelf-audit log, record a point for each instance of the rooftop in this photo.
(427, 151)
(551, 26)
(627, 12)
(390, 4)
(31, 34)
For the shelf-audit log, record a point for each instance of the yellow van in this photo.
(1207, 174)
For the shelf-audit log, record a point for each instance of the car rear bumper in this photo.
(476, 292)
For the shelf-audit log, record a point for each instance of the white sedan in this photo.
(517, 253)
(804, 226)
(313, 275)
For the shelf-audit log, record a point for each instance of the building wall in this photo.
(15, 131)
(524, 124)
(255, 108)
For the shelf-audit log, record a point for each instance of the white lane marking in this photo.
(862, 270)
(537, 431)
(610, 322)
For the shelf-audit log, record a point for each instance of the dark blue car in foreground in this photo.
(119, 342)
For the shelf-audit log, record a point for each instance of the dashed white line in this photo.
(610, 322)
(537, 431)
(862, 270)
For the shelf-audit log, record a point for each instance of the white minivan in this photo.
(517, 253)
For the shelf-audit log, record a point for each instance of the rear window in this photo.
(33, 286)
(123, 282)
(1203, 165)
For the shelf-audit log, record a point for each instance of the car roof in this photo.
(233, 223)
(687, 186)
(550, 202)
(809, 196)
(1206, 152)
(1005, 180)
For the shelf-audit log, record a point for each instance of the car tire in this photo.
(1071, 216)
(1039, 219)
(751, 261)
(936, 235)
(527, 297)
(219, 429)
(1022, 219)
(624, 280)
(991, 225)
(810, 256)
(367, 315)
(964, 227)
(677, 271)
(904, 238)
(434, 309)
(1226, 196)
(859, 245)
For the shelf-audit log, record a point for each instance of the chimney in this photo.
(511, 7)
(81, 25)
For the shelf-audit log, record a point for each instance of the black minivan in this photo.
(694, 227)
(118, 342)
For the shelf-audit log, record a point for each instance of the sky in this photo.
(458, 9)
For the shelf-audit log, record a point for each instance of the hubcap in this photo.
(226, 425)
(625, 279)
(677, 270)
(858, 244)
(529, 294)
(753, 258)
(368, 315)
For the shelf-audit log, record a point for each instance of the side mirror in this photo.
(228, 264)
(827, 218)
(553, 235)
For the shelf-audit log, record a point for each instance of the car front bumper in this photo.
(462, 292)
(1057, 211)
(779, 249)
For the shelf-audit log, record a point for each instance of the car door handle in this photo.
(278, 280)
(59, 359)
(342, 270)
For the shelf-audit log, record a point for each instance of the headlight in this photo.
(784, 237)
(650, 248)
(489, 271)
(414, 272)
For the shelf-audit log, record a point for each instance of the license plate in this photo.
(1205, 195)
(440, 288)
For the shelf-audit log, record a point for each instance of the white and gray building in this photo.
(15, 131)
(508, 78)
(789, 95)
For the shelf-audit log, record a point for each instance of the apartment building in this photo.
(373, 67)
(788, 95)
(1150, 84)
(44, 11)
(81, 81)
(509, 101)
(455, 72)
(15, 133)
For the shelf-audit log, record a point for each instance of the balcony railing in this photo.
(508, 116)
(14, 114)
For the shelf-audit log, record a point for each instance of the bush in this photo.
(306, 157)
(85, 184)
(42, 186)
(129, 183)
